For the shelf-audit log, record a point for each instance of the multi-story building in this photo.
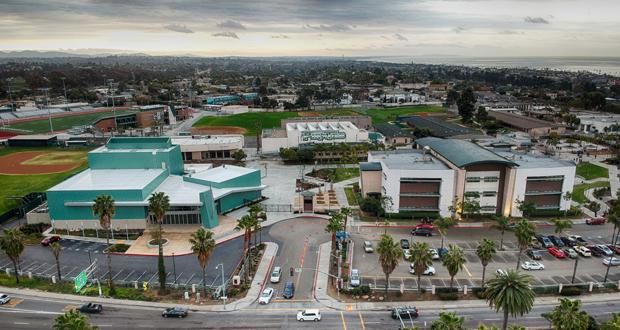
(297, 133)
(209, 147)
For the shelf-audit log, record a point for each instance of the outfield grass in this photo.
(578, 190)
(591, 171)
(63, 123)
(384, 115)
(247, 120)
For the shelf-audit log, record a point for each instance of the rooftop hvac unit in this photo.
(236, 280)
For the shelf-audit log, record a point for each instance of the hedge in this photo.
(571, 291)
(448, 296)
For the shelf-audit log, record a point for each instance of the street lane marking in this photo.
(362, 320)
(467, 270)
(344, 324)
(21, 323)
(301, 262)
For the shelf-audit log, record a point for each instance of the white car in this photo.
(4, 298)
(407, 254)
(430, 270)
(355, 277)
(434, 253)
(501, 272)
(532, 265)
(614, 261)
(309, 315)
(607, 251)
(275, 275)
(584, 251)
(368, 247)
(266, 296)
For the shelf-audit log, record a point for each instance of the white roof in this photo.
(222, 173)
(104, 149)
(220, 139)
(320, 126)
(109, 179)
(181, 192)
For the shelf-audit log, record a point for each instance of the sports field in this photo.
(64, 123)
(384, 115)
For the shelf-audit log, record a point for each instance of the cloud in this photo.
(178, 28)
(330, 28)
(226, 35)
(508, 32)
(535, 20)
(231, 25)
(280, 36)
(459, 29)
(400, 37)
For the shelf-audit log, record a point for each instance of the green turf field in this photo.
(43, 125)
(579, 190)
(591, 171)
(247, 120)
(384, 115)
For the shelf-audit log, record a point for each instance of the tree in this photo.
(465, 104)
(12, 243)
(469, 206)
(159, 203)
(56, 248)
(448, 321)
(526, 208)
(421, 259)
(104, 209)
(568, 196)
(561, 225)
(485, 252)
(481, 115)
(334, 225)
(203, 245)
(454, 261)
(246, 223)
(569, 316)
(346, 212)
(612, 324)
(443, 224)
(239, 155)
(594, 207)
(510, 293)
(502, 224)
(452, 97)
(73, 320)
(524, 230)
(390, 254)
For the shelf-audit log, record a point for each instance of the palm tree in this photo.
(334, 225)
(448, 321)
(443, 224)
(73, 320)
(390, 254)
(510, 293)
(159, 203)
(454, 261)
(568, 196)
(346, 212)
(203, 245)
(421, 259)
(568, 315)
(502, 224)
(246, 223)
(524, 230)
(612, 324)
(614, 218)
(12, 243)
(485, 252)
(56, 248)
(104, 209)
(561, 225)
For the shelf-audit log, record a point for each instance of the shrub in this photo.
(34, 228)
(545, 289)
(448, 296)
(571, 291)
(232, 292)
(360, 290)
(446, 290)
(118, 248)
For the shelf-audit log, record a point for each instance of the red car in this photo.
(49, 240)
(595, 221)
(615, 248)
(557, 252)
(424, 225)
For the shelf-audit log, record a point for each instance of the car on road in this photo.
(606, 251)
(289, 290)
(406, 254)
(405, 312)
(91, 308)
(568, 241)
(615, 248)
(309, 315)
(4, 298)
(425, 225)
(545, 241)
(500, 272)
(570, 252)
(276, 274)
(355, 277)
(175, 312)
(595, 221)
(596, 251)
(49, 240)
(266, 296)
(580, 240)
(556, 252)
(368, 248)
(404, 244)
(583, 251)
(614, 261)
(430, 270)
(422, 232)
(434, 253)
(532, 265)
(557, 241)
(534, 254)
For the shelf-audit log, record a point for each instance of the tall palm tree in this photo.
(614, 218)
(72, 320)
(159, 203)
(443, 224)
(511, 293)
(569, 316)
(56, 248)
(104, 209)
(524, 230)
(561, 225)
(485, 252)
(448, 321)
(390, 254)
(421, 258)
(346, 212)
(454, 261)
(502, 224)
(12, 243)
(203, 245)
(246, 223)
(334, 225)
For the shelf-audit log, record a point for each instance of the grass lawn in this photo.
(63, 123)
(381, 115)
(578, 190)
(341, 174)
(351, 196)
(591, 171)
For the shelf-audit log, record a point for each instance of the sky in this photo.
(477, 28)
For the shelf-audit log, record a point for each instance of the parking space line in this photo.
(25, 269)
(467, 270)
(361, 320)
(344, 324)
(124, 279)
(113, 277)
(186, 283)
(47, 270)
(175, 280)
(68, 274)
(139, 277)
(150, 279)
(39, 266)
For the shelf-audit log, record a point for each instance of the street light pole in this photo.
(65, 88)
(174, 267)
(221, 266)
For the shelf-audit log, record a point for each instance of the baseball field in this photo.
(63, 123)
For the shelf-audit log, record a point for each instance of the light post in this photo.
(65, 88)
(174, 267)
(221, 266)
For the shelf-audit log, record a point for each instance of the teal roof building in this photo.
(131, 169)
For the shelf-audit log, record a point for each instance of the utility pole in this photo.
(49, 112)
(111, 81)
(65, 88)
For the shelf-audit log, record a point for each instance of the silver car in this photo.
(368, 247)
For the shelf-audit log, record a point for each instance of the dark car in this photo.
(404, 244)
(404, 312)
(289, 290)
(422, 232)
(568, 241)
(595, 221)
(595, 250)
(91, 308)
(544, 240)
(49, 240)
(442, 252)
(557, 241)
(534, 254)
(174, 312)
(615, 248)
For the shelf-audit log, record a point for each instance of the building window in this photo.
(473, 179)
(472, 194)
(489, 194)
(491, 179)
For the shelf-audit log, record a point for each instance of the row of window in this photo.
(485, 179)
(476, 194)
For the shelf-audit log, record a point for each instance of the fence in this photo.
(277, 207)
(27, 204)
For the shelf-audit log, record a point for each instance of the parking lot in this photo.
(556, 270)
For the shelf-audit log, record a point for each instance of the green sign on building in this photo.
(80, 281)
(309, 136)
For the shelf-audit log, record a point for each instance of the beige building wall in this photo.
(370, 182)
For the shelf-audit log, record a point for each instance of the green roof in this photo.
(365, 166)
(139, 143)
(462, 153)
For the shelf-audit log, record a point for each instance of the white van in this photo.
(355, 277)
(309, 315)
(275, 275)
